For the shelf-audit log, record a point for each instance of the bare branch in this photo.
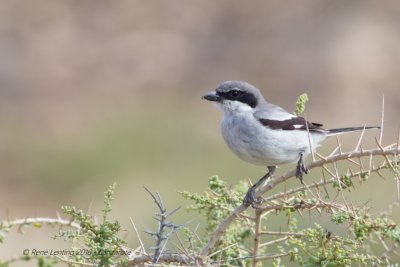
(138, 236)
(58, 221)
(282, 233)
(398, 140)
(162, 235)
(257, 236)
(274, 241)
(164, 258)
(265, 257)
(306, 206)
(221, 250)
(309, 139)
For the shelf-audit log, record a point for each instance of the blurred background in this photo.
(93, 92)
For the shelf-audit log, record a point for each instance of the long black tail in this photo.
(350, 129)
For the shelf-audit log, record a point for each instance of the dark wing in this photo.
(295, 123)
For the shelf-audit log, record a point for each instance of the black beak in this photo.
(212, 96)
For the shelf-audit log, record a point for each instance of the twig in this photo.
(305, 206)
(264, 257)
(221, 250)
(27, 221)
(165, 258)
(382, 119)
(162, 236)
(274, 241)
(282, 233)
(398, 139)
(138, 236)
(309, 138)
(257, 236)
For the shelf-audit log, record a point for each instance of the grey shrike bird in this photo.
(265, 134)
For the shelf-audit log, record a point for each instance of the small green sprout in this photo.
(301, 104)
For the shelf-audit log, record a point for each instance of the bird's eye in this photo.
(235, 93)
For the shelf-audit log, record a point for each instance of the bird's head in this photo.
(235, 96)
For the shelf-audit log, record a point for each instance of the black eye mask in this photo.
(241, 96)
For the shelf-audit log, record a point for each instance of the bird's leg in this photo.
(301, 168)
(249, 199)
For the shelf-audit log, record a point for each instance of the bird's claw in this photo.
(301, 169)
(250, 198)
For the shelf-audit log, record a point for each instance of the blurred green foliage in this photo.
(216, 204)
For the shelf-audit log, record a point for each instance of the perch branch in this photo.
(221, 228)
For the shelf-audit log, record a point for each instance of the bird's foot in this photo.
(301, 169)
(250, 198)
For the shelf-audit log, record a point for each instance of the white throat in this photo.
(235, 107)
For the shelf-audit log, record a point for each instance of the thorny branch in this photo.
(38, 222)
(391, 150)
(319, 184)
(162, 235)
(164, 258)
